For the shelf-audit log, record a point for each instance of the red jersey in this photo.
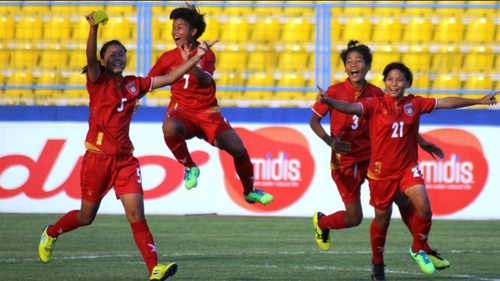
(393, 133)
(187, 92)
(356, 130)
(111, 108)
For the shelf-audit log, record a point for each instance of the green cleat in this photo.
(439, 262)
(423, 261)
(191, 177)
(322, 236)
(259, 196)
(46, 246)
(163, 271)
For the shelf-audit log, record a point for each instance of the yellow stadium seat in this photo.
(294, 9)
(482, 83)
(54, 58)
(417, 58)
(378, 80)
(57, 29)
(296, 30)
(421, 85)
(261, 79)
(119, 28)
(480, 30)
(213, 30)
(20, 96)
(62, 10)
(87, 9)
(357, 29)
(4, 55)
(447, 59)
(24, 57)
(268, 10)
(445, 8)
(383, 56)
(290, 80)
(265, 30)
(80, 30)
(235, 30)
(357, 8)
(120, 10)
(209, 10)
(77, 59)
(75, 92)
(10, 10)
(29, 29)
(232, 58)
(418, 8)
(44, 96)
(234, 79)
(392, 9)
(418, 30)
(449, 30)
(479, 59)
(237, 8)
(445, 85)
(335, 30)
(156, 29)
(387, 30)
(475, 8)
(35, 10)
(293, 58)
(7, 28)
(262, 58)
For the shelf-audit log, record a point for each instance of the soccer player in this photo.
(194, 110)
(350, 144)
(108, 161)
(393, 121)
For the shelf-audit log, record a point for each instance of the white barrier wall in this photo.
(39, 171)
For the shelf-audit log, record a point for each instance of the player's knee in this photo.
(354, 220)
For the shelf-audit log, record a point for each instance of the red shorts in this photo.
(101, 172)
(349, 181)
(382, 192)
(203, 125)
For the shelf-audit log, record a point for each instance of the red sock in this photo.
(378, 235)
(407, 213)
(422, 228)
(144, 241)
(244, 169)
(333, 221)
(66, 223)
(178, 147)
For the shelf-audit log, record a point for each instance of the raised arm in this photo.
(344, 107)
(164, 80)
(457, 102)
(93, 68)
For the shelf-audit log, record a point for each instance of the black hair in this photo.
(353, 46)
(103, 50)
(192, 15)
(401, 67)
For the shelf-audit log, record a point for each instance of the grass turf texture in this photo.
(240, 248)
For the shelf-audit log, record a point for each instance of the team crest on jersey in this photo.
(408, 108)
(131, 88)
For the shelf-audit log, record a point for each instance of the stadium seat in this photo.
(476, 8)
(262, 58)
(4, 55)
(212, 31)
(296, 30)
(62, 10)
(24, 57)
(10, 10)
(232, 58)
(119, 28)
(482, 83)
(44, 96)
(73, 95)
(479, 59)
(87, 9)
(120, 10)
(77, 59)
(35, 10)
(480, 30)
(156, 29)
(260, 79)
(236, 8)
(417, 58)
(447, 59)
(29, 29)
(335, 30)
(54, 58)
(445, 85)
(449, 30)
(378, 80)
(264, 31)
(234, 79)
(80, 31)
(297, 9)
(421, 85)
(293, 58)
(357, 29)
(357, 9)
(290, 80)
(268, 10)
(418, 8)
(387, 30)
(387, 9)
(57, 29)
(450, 9)
(384, 55)
(235, 30)
(20, 96)
(7, 28)
(417, 30)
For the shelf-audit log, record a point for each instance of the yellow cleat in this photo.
(46, 245)
(322, 236)
(163, 271)
(439, 262)
(423, 261)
